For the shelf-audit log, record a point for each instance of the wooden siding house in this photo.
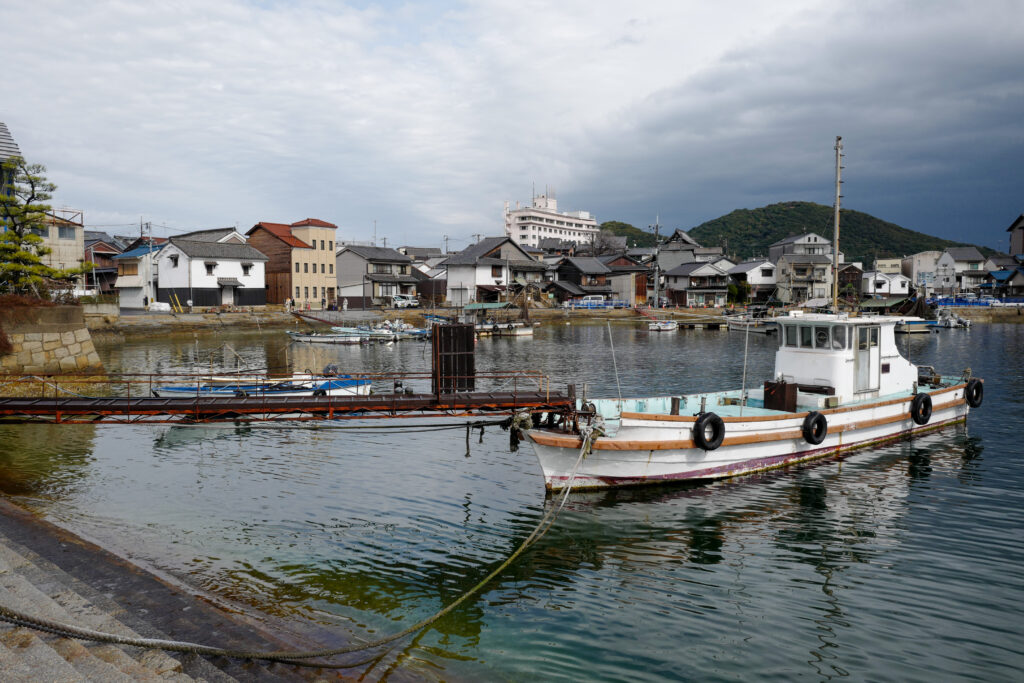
(301, 261)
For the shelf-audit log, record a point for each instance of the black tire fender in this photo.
(974, 393)
(815, 428)
(708, 431)
(921, 409)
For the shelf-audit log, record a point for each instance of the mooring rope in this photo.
(300, 658)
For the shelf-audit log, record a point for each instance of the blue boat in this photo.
(328, 383)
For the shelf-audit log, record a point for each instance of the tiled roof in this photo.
(748, 266)
(377, 253)
(965, 254)
(211, 235)
(282, 232)
(313, 223)
(588, 265)
(472, 254)
(139, 251)
(199, 249)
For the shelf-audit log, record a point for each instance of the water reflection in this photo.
(827, 563)
(44, 459)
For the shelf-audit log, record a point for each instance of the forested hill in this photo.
(749, 232)
(862, 237)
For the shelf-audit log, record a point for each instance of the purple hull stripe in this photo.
(756, 464)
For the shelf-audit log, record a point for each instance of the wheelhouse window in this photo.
(839, 337)
(791, 335)
(806, 337)
(822, 337)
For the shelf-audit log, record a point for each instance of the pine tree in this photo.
(24, 191)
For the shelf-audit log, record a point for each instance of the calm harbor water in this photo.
(900, 562)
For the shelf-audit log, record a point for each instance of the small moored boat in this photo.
(327, 383)
(840, 383)
(662, 325)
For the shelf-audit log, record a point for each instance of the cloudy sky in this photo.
(425, 117)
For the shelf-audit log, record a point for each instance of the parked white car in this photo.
(404, 301)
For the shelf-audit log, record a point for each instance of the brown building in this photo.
(301, 265)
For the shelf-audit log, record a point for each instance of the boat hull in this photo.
(657, 448)
(319, 387)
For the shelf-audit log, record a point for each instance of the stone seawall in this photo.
(48, 341)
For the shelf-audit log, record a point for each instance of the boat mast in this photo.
(835, 226)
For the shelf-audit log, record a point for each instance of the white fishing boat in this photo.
(326, 337)
(743, 323)
(662, 325)
(839, 383)
(504, 328)
(327, 383)
(913, 325)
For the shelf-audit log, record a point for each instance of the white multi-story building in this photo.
(528, 225)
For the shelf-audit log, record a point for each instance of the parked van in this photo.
(592, 300)
(404, 301)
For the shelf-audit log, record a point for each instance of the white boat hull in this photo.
(652, 448)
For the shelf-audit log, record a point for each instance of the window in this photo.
(296, 269)
(246, 267)
(296, 292)
(323, 268)
(766, 272)
(127, 268)
(382, 268)
(66, 232)
(330, 266)
(43, 232)
(821, 337)
(790, 335)
(806, 333)
(330, 244)
(321, 245)
(306, 290)
(838, 337)
(174, 260)
(305, 267)
(495, 271)
(314, 292)
(313, 242)
(210, 267)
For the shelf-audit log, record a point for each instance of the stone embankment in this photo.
(47, 340)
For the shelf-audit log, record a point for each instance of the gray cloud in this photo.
(426, 117)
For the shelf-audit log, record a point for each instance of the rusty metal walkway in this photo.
(146, 409)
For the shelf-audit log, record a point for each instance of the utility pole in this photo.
(657, 245)
(835, 226)
(446, 244)
(478, 236)
(152, 292)
(385, 240)
(374, 232)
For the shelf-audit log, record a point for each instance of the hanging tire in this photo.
(974, 393)
(241, 394)
(815, 428)
(331, 370)
(320, 392)
(921, 409)
(708, 431)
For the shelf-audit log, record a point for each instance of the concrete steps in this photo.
(48, 572)
(27, 654)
